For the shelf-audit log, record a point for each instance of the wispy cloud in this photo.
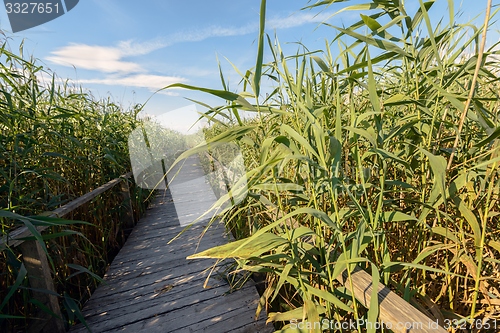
(275, 23)
(107, 59)
(100, 58)
(114, 61)
(297, 20)
(197, 35)
(110, 61)
(152, 82)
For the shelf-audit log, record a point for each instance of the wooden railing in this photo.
(394, 311)
(35, 258)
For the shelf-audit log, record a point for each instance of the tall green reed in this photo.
(57, 143)
(347, 164)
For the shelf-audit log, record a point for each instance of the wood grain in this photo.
(394, 311)
(151, 287)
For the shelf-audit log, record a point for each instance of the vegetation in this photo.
(57, 142)
(380, 150)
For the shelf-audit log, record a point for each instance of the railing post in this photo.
(129, 210)
(40, 277)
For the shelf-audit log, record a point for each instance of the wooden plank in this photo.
(182, 242)
(150, 286)
(143, 294)
(394, 311)
(151, 274)
(194, 309)
(166, 275)
(142, 259)
(60, 212)
(191, 194)
(12, 238)
(239, 321)
(39, 275)
(172, 308)
(131, 307)
(169, 232)
(153, 261)
(127, 201)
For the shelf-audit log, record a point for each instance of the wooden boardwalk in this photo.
(151, 287)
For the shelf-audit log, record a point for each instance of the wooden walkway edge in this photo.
(150, 286)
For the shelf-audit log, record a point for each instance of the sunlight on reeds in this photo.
(346, 163)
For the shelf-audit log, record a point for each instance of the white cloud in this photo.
(169, 93)
(107, 59)
(152, 82)
(131, 48)
(297, 20)
(209, 32)
(110, 59)
(100, 58)
(277, 23)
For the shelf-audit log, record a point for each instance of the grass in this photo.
(58, 142)
(380, 150)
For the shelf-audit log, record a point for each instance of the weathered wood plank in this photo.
(201, 309)
(40, 278)
(163, 304)
(150, 285)
(138, 260)
(110, 293)
(394, 311)
(192, 196)
(240, 322)
(153, 265)
(143, 294)
(127, 201)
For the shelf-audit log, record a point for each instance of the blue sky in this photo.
(128, 49)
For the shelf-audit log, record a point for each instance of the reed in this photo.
(58, 142)
(347, 163)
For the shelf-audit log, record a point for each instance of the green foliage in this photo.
(347, 164)
(57, 143)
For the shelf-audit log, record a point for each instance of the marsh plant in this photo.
(379, 150)
(58, 142)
